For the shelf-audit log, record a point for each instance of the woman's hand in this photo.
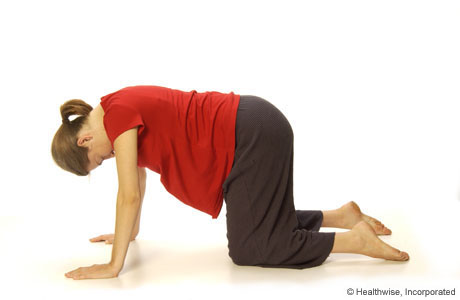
(107, 238)
(94, 272)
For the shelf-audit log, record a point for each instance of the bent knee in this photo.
(243, 256)
(242, 259)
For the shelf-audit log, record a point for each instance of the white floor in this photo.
(191, 261)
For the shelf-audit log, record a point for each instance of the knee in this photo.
(242, 256)
(251, 256)
(240, 259)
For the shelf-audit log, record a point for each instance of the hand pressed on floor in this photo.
(94, 272)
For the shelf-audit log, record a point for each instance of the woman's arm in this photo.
(129, 195)
(127, 211)
(108, 238)
(142, 179)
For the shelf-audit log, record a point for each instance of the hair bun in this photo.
(74, 107)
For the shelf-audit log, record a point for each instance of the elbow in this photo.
(129, 198)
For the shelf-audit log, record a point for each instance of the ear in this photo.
(84, 140)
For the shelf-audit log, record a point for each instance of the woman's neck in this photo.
(95, 118)
(96, 124)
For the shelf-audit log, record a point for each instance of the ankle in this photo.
(333, 218)
(358, 241)
(346, 242)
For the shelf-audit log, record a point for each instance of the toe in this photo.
(404, 255)
(376, 222)
(378, 229)
(383, 230)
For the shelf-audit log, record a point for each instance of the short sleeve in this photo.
(119, 118)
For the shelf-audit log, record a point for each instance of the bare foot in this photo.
(371, 245)
(352, 215)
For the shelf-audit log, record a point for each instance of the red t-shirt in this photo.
(186, 137)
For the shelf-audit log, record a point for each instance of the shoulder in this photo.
(134, 91)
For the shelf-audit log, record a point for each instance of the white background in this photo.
(371, 89)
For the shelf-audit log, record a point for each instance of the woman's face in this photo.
(99, 148)
(93, 136)
(97, 153)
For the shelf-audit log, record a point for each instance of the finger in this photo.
(84, 273)
(100, 238)
(96, 239)
(73, 273)
(74, 276)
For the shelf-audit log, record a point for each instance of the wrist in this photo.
(116, 267)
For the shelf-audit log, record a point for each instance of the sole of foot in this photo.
(372, 246)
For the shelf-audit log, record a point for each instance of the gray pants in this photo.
(263, 227)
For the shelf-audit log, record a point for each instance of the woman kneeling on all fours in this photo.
(209, 147)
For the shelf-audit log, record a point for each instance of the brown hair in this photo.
(64, 149)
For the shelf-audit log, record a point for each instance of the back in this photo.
(186, 137)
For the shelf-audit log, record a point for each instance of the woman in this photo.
(208, 147)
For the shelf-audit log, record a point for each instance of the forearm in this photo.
(142, 181)
(138, 219)
(126, 214)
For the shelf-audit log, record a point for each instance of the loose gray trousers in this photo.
(263, 226)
